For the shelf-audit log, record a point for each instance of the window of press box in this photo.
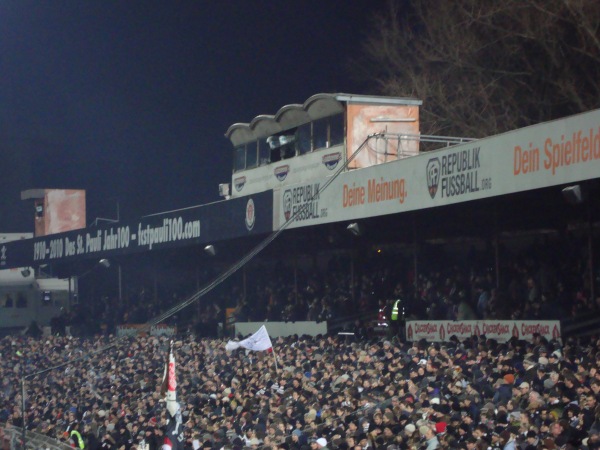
(336, 130)
(303, 139)
(328, 131)
(264, 153)
(239, 159)
(282, 145)
(320, 137)
(251, 155)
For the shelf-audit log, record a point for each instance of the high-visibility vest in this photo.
(79, 438)
(395, 310)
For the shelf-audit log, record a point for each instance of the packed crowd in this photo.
(327, 391)
(324, 392)
(541, 280)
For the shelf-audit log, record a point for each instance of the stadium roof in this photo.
(316, 107)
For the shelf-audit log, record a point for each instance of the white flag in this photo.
(258, 342)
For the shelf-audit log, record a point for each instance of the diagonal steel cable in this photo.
(221, 277)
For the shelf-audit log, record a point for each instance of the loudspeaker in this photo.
(573, 194)
(355, 229)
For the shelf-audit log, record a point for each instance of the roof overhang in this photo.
(290, 116)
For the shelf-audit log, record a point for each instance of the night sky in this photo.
(130, 100)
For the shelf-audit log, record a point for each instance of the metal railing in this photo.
(393, 144)
(12, 438)
(582, 325)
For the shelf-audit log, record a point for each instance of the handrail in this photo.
(578, 327)
(33, 440)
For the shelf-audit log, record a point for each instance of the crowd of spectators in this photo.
(328, 392)
(325, 392)
(546, 279)
(541, 280)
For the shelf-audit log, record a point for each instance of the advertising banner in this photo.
(500, 330)
(210, 223)
(277, 329)
(318, 164)
(133, 329)
(549, 154)
(367, 119)
(58, 210)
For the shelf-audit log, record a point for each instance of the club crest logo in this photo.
(250, 214)
(433, 176)
(287, 204)
(331, 160)
(281, 172)
(515, 331)
(555, 332)
(239, 183)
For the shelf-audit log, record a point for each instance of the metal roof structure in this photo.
(316, 107)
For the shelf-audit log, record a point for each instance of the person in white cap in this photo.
(411, 439)
(322, 443)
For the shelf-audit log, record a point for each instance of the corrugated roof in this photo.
(290, 116)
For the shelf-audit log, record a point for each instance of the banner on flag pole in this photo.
(258, 342)
(169, 384)
(173, 437)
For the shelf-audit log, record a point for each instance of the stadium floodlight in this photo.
(210, 249)
(355, 229)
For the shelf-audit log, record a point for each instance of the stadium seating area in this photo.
(328, 391)
(354, 394)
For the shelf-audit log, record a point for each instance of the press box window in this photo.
(303, 139)
(336, 130)
(251, 155)
(282, 146)
(264, 153)
(239, 160)
(320, 138)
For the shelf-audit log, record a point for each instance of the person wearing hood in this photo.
(90, 438)
(297, 439)
(124, 438)
(503, 392)
(508, 439)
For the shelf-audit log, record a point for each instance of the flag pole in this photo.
(275, 359)
(272, 349)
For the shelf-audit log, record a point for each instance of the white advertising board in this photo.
(277, 329)
(317, 164)
(549, 154)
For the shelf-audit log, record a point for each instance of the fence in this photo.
(11, 439)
